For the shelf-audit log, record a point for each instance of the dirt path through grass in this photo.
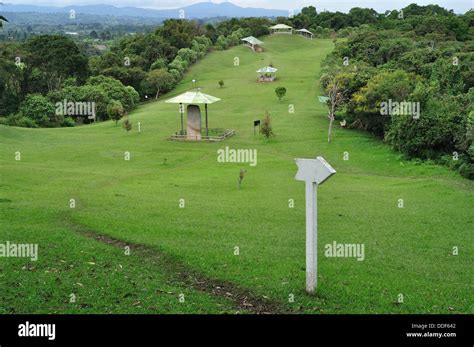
(244, 300)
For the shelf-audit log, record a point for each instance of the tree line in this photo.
(409, 79)
(39, 74)
(419, 57)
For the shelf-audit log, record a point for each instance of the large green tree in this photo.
(394, 85)
(180, 33)
(56, 58)
(115, 90)
(41, 110)
(160, 79)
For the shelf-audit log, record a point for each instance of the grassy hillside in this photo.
(190, 250)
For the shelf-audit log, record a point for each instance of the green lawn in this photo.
(407, 250)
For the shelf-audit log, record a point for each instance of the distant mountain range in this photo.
(196, 11)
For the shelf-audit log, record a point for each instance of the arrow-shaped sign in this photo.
(314, 172)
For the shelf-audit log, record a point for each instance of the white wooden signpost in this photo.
(314, 172)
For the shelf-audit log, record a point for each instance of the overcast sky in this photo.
(459, 6)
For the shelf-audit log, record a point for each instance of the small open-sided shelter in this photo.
(267, 74)
(305, 33)
(281, 29)
(254, 43)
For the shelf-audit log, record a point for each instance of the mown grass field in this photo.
(407, 250)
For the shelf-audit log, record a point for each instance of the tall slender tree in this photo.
(336, 98)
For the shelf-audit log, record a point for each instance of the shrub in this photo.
(467, 170)
(132, 96)
(280, 92)
(115, 110)
(127, 125)
(456, 164)
(27, 123)
(267, 129)
(39, 109)
(241, 177)
(222, 43)
(470, 153)
(68, 122)
(440, 129)
(221, 83)
(18, 120)
(395, 85)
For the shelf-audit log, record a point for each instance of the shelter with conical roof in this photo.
(193, 130)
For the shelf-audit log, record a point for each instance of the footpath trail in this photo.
(243, 300)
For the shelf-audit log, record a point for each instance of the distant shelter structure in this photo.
(253, 43)
(305, 33)
(281, 29)
(267, 74)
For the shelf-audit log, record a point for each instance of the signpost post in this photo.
(313, 172)
(256, 123)
(181, 112)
